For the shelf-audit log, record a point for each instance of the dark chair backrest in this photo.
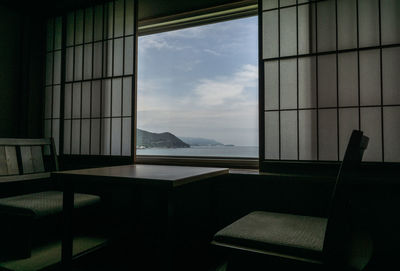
(20, 158)
(338, 220)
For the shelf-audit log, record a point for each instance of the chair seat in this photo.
(43, 203)
(292, 235)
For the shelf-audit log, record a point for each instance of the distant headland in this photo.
(146, 139)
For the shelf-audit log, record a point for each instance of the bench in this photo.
(29, 163)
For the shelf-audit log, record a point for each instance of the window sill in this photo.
(232, 163)
(238, 171)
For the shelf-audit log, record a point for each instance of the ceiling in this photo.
(148, 9)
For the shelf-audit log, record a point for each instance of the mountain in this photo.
(147, 139)
(195, 141)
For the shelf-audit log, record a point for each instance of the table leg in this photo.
(170, 245)
(67, 237)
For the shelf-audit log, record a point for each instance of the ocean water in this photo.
(212, 151)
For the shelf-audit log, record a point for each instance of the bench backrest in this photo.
(25, 158)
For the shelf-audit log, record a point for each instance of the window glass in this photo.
(198, 91)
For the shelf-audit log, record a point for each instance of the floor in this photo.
(122, 263)
(116, 259)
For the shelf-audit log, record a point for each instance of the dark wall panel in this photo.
(31, 120)
(10, 66)
(21, 73)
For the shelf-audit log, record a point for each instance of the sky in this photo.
(201, 82)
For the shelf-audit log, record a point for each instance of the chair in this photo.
(297, 238)
(36, 205)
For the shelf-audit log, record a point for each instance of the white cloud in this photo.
(220, 93)
(248, 75)
(218, 108)
(158, 42)
(212, 52)
(189, 33)
(150, 96)
(153, 41)
(227, 89)
(167, 40)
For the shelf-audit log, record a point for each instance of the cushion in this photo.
(43, 203)
(293, 235)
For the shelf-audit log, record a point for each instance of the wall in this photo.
(31, 120)
(10, 69)
(21, 74)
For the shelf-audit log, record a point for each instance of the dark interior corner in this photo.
(21, 78)
(131, 218)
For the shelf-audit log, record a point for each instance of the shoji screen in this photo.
(326, 68)
(98, 87)
(53, 80)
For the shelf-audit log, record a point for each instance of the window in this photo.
(198, 91)
(329, 68)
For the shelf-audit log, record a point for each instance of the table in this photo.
(166, 178)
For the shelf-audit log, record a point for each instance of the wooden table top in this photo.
(169, 176)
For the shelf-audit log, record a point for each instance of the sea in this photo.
(211, 151)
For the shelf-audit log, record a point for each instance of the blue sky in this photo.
(201, 82)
